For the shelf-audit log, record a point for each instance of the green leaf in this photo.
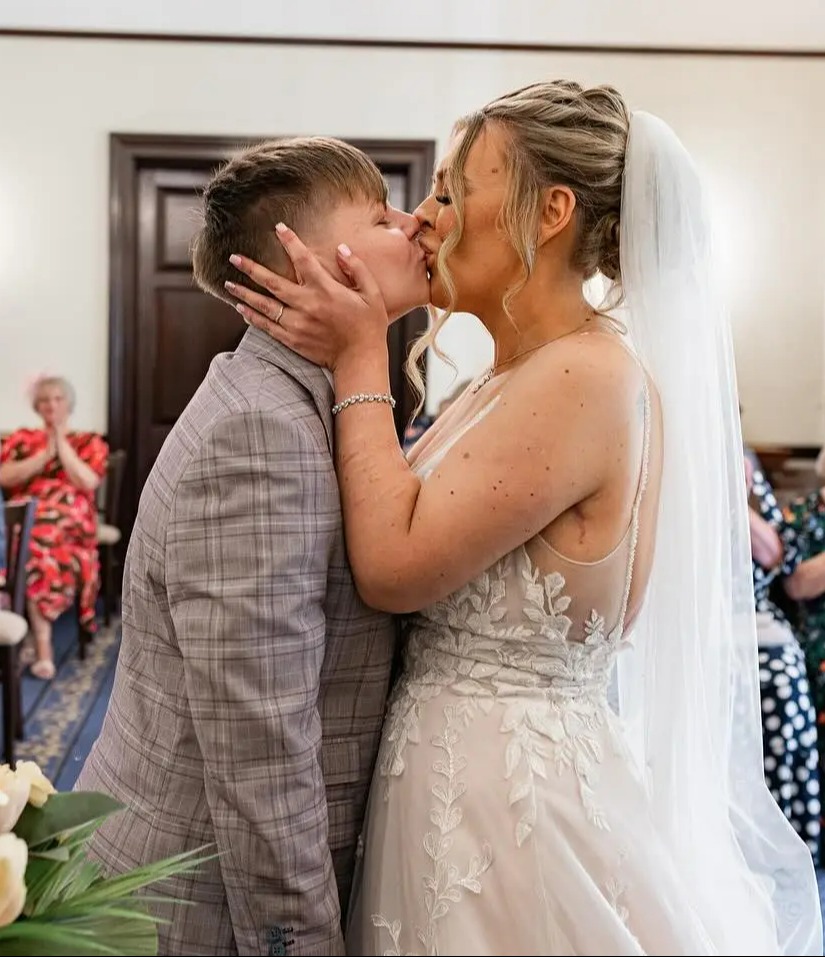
(71, 910)
(40, 874)
(80, 835)
(101, 933)
(121, 886)
(59, 853)
(49, 881)
(63, 882)
(62, 814)
(128, 909)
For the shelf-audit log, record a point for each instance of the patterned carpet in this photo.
(63, 717)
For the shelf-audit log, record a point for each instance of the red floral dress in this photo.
(64, 560)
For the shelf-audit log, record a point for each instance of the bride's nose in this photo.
(426, 213)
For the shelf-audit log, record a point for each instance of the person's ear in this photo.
(557, 208)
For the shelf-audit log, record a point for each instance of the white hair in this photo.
(53, 380)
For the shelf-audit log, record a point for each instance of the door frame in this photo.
(129, 152)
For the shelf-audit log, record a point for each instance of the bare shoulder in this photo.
(584, 374)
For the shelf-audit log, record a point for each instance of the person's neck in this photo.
(549, 306)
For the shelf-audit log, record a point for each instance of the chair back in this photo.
(19, 523)
(112, 486)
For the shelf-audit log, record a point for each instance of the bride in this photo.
(574, 525)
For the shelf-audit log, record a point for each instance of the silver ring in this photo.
(277, 319)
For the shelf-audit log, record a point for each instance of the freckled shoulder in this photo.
(594, 370)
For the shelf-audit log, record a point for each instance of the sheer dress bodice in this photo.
(535, 620)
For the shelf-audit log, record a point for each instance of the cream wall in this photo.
(658, 23)
(753, 123)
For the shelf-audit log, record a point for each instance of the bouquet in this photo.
(53, 899)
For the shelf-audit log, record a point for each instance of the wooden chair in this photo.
(19, 520)
(108, 532)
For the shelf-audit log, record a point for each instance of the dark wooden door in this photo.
(164, 331)
(180, 329)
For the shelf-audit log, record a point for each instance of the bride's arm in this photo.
(550, 442)
(547, 445)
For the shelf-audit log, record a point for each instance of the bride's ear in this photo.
(557, 208)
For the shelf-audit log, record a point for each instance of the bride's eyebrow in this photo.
(439, 181)
(439, 177)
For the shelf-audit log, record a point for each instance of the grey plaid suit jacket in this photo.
(252, 681)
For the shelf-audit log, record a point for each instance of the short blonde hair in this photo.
(46, 381)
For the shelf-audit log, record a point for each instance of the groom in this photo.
(252, 681)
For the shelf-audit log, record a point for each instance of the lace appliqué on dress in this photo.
(445, 883)
(465, 643)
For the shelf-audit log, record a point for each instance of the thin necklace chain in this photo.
(494, 368)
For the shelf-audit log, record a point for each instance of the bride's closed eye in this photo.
(443, 199)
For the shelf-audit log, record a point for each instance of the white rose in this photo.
(6, 776)
(41, 786)
(14, 855)
(14, 793)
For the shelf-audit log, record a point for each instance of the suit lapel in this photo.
(313, 378)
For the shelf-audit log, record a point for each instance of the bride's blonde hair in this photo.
(561, 134)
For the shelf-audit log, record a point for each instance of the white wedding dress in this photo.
(511, 811)
(507, 815)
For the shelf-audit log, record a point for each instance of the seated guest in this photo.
(805, 521)
(62, 470)
(789, 731)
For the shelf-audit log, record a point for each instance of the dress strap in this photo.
(637, 502)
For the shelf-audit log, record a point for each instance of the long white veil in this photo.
(689, 689)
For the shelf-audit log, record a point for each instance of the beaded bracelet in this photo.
(363, 397)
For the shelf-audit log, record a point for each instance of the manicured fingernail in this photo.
(345, 251)
(235, 259)
(280, 228)
(229, 285)
(240, 307)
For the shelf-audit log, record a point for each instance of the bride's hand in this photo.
(319, 318)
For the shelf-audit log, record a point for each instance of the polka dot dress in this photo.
(789, 741)
(789, 729)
